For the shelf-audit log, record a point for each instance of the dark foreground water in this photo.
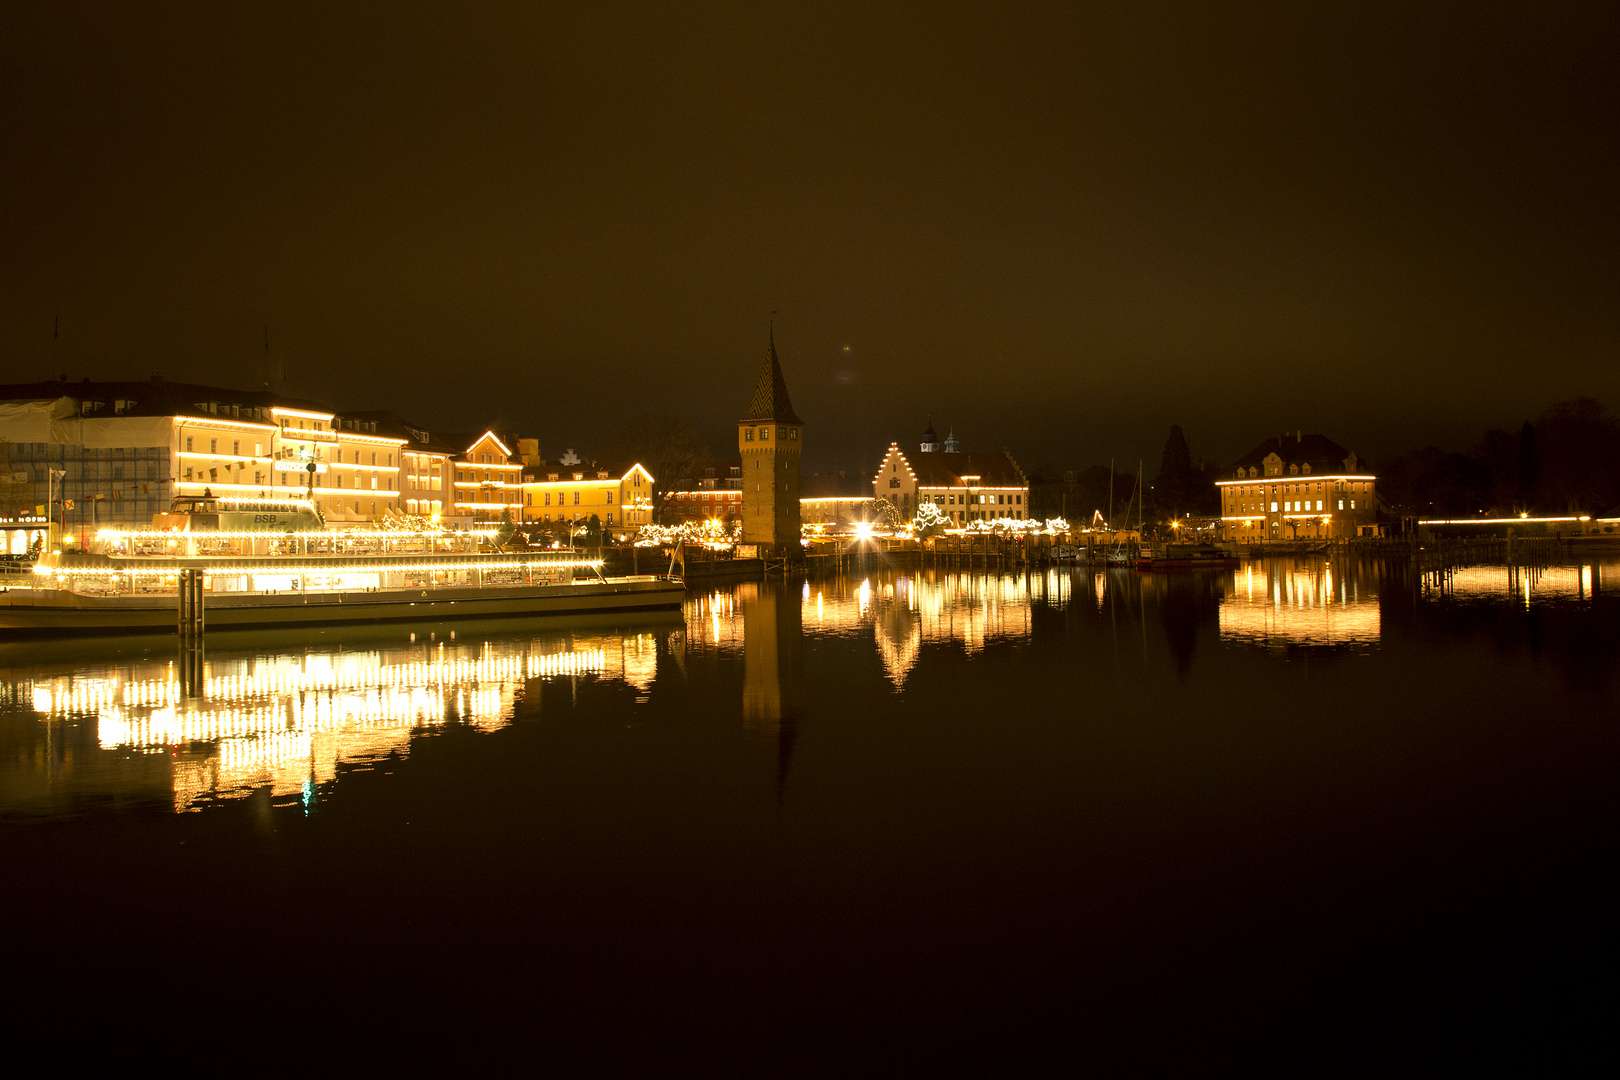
(1304, 813)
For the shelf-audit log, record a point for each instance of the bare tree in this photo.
(665, 446)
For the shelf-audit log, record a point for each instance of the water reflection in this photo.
(1303, 602)
(282, 722)
(1525, 585)
(906, 611)
(287, 717)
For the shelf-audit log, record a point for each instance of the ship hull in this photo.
(47, 612)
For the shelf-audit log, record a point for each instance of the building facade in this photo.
(835, 499)
(425, 475)
(714, 494)
(116, 453)
(769, 437)
(488, 479)
(620, 497)
(1305, 488)
(966, 487)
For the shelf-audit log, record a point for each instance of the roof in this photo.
(835, 486)
(1321, 453)
(154, 397)
(416, 437)
(938, 469)
(464, 441)
(770, 401)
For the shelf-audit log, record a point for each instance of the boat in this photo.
(1185, 557)
(273, 563)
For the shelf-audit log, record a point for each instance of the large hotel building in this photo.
(1303, 488)
(90, 454)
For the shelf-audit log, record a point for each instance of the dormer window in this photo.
(1293, 470)
(1307, 469)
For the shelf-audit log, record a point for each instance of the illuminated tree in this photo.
(886, 513)
(930, 521)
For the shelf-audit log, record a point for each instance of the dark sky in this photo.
(1059, 228)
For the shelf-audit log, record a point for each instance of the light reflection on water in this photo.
(75, 735)
(1299, 603)
(1526, 585)
(285, 723)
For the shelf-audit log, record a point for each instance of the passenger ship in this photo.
(272, 562)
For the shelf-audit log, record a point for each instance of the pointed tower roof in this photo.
(929, 434)
(770, 400)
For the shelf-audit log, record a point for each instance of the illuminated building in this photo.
(619, 496)
(116, 453)
(769, 438)
(835, 499)
(966, 487)
(1305, 488)
(488, 479)
(425, 464)
(715, 494)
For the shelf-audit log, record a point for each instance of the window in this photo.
(748, 434)
(1274, 507)
(188, 444)
(894, 481)
(764, 434)
(236, 446)
(610, 500)
(1341, 504)
(793, 434)
(576, 498)
(548, 499)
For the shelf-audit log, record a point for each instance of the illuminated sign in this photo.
(299, 466)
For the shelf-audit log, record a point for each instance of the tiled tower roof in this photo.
(770, 400)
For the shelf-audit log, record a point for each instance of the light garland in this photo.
(339, 564)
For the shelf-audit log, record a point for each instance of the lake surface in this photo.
(1305, 811)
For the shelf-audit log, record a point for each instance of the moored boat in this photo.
(290, 574)
(1185, 557)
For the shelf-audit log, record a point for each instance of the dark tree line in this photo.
(1567, 461)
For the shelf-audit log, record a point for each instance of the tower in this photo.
(930, 440)
(769, 436)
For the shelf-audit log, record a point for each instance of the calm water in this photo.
(1302, 811)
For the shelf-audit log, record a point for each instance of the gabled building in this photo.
(769, 438)
(966, 487)
(488, 478)
(1305, 488)
(617, 495)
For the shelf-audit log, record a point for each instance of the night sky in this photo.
(1059, 228)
